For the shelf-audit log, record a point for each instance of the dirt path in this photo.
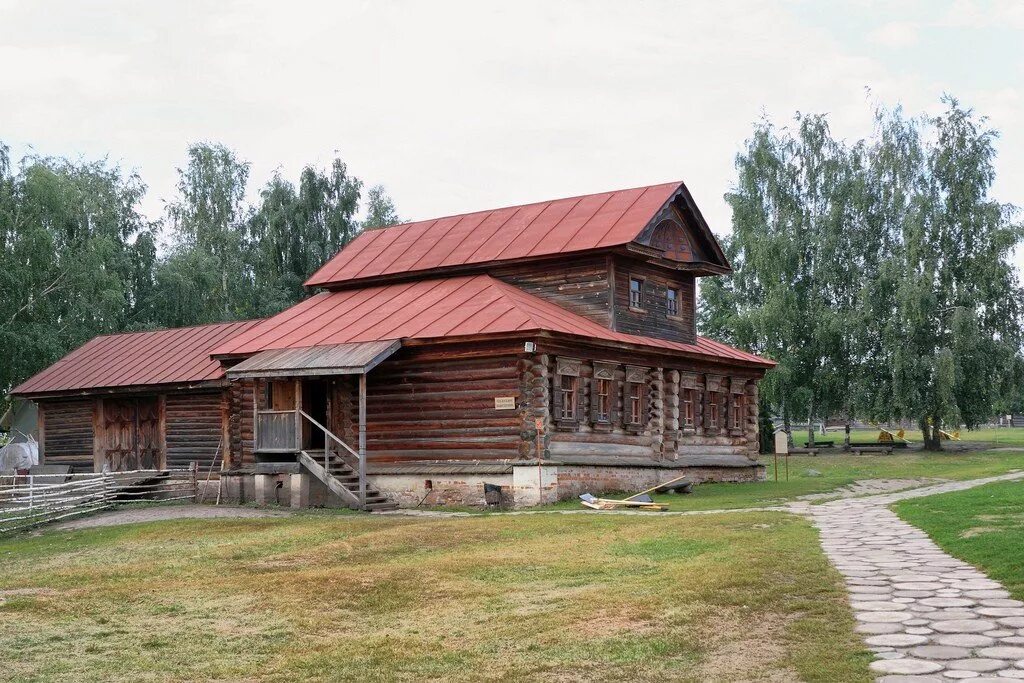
(158, 513)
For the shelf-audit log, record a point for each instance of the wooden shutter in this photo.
(613, 402)
(556, 397)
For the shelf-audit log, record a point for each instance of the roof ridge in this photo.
(505, 286)
(519, 206)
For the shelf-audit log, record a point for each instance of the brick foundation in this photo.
(525, 486)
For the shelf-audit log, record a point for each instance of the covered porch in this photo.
(309, 408)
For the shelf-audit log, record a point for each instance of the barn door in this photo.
(131, 434)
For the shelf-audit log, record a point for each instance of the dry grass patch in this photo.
(355, 598)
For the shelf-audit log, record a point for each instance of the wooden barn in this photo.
(546, 349)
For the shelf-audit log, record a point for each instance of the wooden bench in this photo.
(861, 450)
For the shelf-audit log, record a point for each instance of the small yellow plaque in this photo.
(505, 403)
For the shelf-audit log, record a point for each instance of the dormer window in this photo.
(636, 293)
(672, 297)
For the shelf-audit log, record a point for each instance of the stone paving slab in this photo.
(927, 616)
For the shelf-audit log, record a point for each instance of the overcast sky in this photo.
(457, 106)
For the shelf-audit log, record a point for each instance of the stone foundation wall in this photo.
(457, 490)
(575, 480)
(526, 486)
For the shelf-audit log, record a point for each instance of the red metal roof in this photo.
(175, 356)
(558, 226)
(438, 308)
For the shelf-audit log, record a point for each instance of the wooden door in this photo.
(147, 434)
(131, 434)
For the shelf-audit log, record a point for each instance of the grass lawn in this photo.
(827, 472)
(325, 597)
(983, 526)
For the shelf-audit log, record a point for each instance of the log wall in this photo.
(653, 320)
(240, 423)
(436, 406)
(663, 438)
(193, 428)
(66, 433)
(580, 284)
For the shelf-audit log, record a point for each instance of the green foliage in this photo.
(77, 258)
(380, 209)
(877, 273)
(295, 232)
(72, 246)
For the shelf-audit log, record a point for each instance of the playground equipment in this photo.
(887, 436)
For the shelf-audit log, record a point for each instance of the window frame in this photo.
(714, 410)
(563, 418)
(689, 401)
(604, 399)
(570, 395)
(639, 306)
(673, 297)
(737, 412)
(636, 379)
(603, 387)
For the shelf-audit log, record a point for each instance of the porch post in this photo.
(362, 440)
(255, 424)
(298, 416)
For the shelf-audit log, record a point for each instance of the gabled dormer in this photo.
(627, 259)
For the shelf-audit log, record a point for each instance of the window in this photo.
(688, 409)
(567, 387)
(634, 399)
(713, 406)
(604, 400)
(636, 403)
(737, 411)
(636, 292)
(672, 301)
(565, 393)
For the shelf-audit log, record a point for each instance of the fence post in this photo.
(193, 467)
(31, 489)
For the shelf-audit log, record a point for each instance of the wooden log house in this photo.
(547, 349)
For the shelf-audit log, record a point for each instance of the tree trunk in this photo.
(846, 436)
(810, 427)
(786, 426)
(930, 432)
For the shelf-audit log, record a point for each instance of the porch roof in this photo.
(334, 359)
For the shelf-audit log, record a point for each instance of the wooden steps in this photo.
(343, 481)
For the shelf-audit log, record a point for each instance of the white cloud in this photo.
(895, 34)
(984, 14)
(453, 106)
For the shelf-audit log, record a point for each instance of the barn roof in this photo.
(549, 228)
(173, 356)
(439, 308)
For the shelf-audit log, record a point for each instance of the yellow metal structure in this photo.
(886, 436)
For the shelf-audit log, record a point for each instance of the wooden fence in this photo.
(29, 500)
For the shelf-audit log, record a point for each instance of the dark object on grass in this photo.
(676, 487)
(492, 494)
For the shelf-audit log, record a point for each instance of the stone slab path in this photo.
(927, 616)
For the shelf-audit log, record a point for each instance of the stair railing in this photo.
(328, 437)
